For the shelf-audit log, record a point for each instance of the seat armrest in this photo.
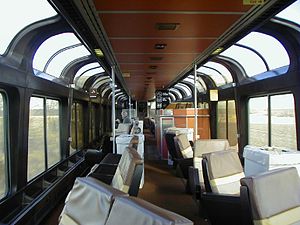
(107, 169)
(105, 178)
(208, 196)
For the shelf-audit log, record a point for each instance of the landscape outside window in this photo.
(37, 148)
(282, 116)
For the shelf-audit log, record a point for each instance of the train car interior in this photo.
(150, 112)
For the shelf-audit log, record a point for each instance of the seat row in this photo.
(121, 171)
(226, 196)
(93, 202)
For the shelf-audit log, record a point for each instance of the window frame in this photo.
(227, 119)
(46, 132)
(269, 124)
(6, 140)
(76, 128)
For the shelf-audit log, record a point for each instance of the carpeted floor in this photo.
(163, 188)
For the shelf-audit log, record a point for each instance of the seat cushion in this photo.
(225, 171)
(125, 170)
(88, 202)
(134, 211)
(184, 145)
(275, 193)
(203, 146)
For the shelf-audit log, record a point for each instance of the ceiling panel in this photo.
(172, 5)
(144, 25)
(132, 32)
(147, 46)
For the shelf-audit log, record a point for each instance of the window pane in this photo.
(79, 114)
(60, 61)
(80, 81)
(94, 122)
(250, 61)
(73, 129)
(86, 68)
(221, 123)
(266, 45)
(221, 69)
(283, 126)
(50, 47)
(215, 76)
(53, 132)
(291, 13)
(3, 174)
(36, 143)
(258, 121)
(232, 124)
(20, 14)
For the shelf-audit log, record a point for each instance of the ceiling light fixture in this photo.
(98, 52)
(217, 51)
(160, 46)
(167, 26)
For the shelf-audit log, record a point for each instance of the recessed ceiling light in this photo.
(160, 46)
(167, 26)
(153, 67)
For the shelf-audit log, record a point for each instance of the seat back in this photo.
(183, 145)
(203, 146)
(222, 172)
(88, 202)
(134, 142)
(274, 196)
(124, 174)
(131, 210)
(169, 137)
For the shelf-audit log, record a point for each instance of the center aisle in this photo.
(163, 188)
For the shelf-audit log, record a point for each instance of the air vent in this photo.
(149, 78)
(167, 26)
(160, 46)
(152, 67)
(156, 58)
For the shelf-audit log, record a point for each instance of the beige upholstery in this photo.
(124, 173)
(88, 202)
(184, 145)
(275, 196)
(123, 128)
(224, 171)
(134, 211)
(134, 142)
(203, 146)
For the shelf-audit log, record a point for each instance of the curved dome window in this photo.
(176, 92)
(200, 84)
(291, 13)
(215, 75)
(221, 70)
(249, 60)
(57, 52)
(100, 81)
(86, 72)
(255, 53)
(263, 44)
(24, 14)
(185, 88)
